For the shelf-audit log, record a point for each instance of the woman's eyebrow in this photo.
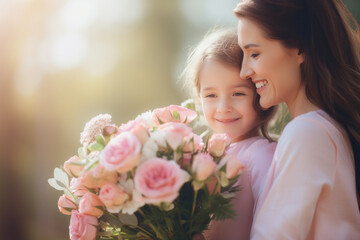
(251, 45)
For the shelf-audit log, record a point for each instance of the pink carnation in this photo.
(159, 180)
(93, 128)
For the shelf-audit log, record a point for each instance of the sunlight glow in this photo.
(69, 50)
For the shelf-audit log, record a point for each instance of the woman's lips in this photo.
(260, 85)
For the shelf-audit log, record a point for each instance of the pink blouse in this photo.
(256, 155)
(310, 191)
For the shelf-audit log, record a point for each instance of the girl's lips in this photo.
(227, 120)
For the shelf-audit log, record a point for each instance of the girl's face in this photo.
(227, 100)
(273, 68)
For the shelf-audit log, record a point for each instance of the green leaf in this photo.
(176, 115)
(112, 220)
(61, 176)
(95, 146)
(128, 219)
(100, 140)
(54, 184)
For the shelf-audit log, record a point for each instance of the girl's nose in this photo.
(224, 106)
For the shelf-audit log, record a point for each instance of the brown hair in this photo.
(222, 45)
(328, 35)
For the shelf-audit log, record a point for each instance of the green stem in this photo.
(168, 225)
(179, 216)
(194, 203)
(151, 225)
(192, 211)
(145, 232)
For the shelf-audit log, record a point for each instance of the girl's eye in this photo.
(210, 96)
(239, 94)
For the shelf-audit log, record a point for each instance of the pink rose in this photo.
(173, 113)
(77, 186)
(73, 166)
(121, 153)
(196, 144)
(94, 179)
(176, 133)
(89, 204)
(66, 205)
(141, 133)
(113, 197)
(82, 227)
(127, 127)
(218, 143)
(100, 176)
(233, 166)
(203, 166)
(159, 180)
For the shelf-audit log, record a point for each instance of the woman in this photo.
(306, 53)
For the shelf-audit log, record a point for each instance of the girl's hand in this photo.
(198, 236)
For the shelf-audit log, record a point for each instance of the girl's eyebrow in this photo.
(240, 85)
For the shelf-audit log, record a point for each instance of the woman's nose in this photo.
(246, 72)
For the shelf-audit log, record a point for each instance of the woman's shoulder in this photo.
(312, 125)
(311, 128)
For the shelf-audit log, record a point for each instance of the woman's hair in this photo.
(222, 45)
(328, 36)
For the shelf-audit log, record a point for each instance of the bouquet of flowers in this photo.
(150, 178)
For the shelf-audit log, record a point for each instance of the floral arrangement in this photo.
(150, 178)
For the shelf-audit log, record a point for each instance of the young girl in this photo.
(230, 105)
(306, 53)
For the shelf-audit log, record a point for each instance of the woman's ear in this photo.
(301, 56)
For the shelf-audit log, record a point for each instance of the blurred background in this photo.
(63, 62)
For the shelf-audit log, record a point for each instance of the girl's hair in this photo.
(328, 36)
(222, 45)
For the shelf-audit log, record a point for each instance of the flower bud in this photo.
(66, 205)
(89, 205)
(203, 166)
(234, 166)
(218, 143)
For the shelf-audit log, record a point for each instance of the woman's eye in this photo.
(239, 94)
(254, 55)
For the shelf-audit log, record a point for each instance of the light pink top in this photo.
(310, 191)
(256, 155)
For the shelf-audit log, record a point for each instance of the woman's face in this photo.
(273, 68)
